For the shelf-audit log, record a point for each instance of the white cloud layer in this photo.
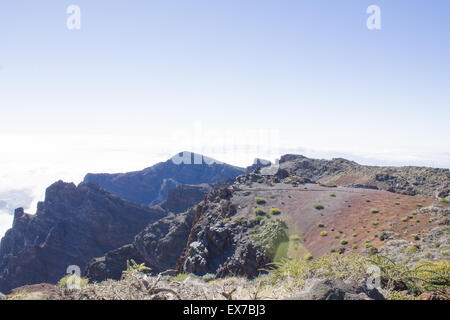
(30, 163)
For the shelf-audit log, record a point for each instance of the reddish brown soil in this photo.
(348, 211)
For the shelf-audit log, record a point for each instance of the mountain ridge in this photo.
(150, 185)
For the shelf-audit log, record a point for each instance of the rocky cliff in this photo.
(73, 225)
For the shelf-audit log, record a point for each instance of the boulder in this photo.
(326, 289)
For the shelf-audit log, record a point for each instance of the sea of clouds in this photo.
(30, 163)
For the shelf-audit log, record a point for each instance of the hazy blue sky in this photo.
(138, 70)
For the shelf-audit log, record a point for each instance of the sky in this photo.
(233, 79)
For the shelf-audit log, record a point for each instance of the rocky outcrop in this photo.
(150, 186)
(405, 180)
(159, 246)
(326, 289)
(220, 245)
(185, 196)
(433, 246)
(73, 225)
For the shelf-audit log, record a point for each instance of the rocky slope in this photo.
(224, 236)
(73, 225)
(405, 180)
(160, 244)
(303, 208)
(150, 186)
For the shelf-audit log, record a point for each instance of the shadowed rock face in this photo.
(185, 196)
(159, 246)
(72, 226)
(150, 186)
(217, 246)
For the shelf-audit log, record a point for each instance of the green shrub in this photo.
(354, 235)
(133, 267)
(328, 184)
(270, 235)
(367, 200)
(323, 233)
(354, 247)
(180, 277)
(374, 210)
(426, 276)
(411, 249)
(259, 212)
(444, 200)
(260, 200)
(275, 211)
(258, 219)
(344, 242)
(73, 280)
(294, 238)
(404, 219)
(368, 245)
(320, 224)
(226, 220)
(319, 206)
(209, 277)
(239, 220)
(332, 195)
(419, 205)
(308, 257)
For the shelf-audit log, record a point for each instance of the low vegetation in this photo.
(328, 184)
(275, 211)
(426, 276)
(270, 235)
(259, 212)
(72, 281)
(260, 200)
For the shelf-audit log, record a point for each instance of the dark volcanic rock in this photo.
(218, 246)
(404, 180)
(150, 186)
(185, 196)
(112, 264)
(72, 226)
(159, 246)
